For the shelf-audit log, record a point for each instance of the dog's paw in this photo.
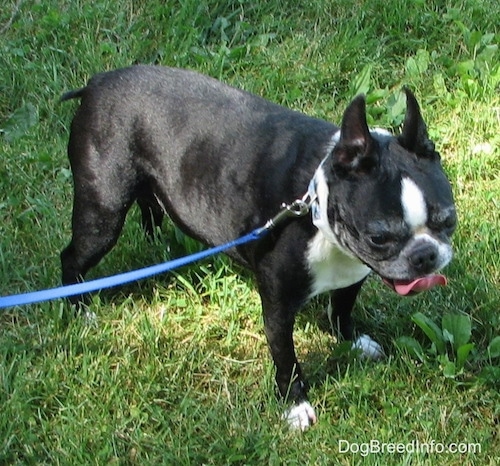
(300, 416)
(370, 349)
(90, 319)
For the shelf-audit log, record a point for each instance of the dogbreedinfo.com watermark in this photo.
(374, 447)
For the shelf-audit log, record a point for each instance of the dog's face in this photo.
(390, 203)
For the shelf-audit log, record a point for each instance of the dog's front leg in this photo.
(278, 324)
(342, 301)
(279, 333)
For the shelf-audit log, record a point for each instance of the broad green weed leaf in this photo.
(488, 53)
(459, 327)
(423, 59)
(361, 83)
(464, 68)
(473, 38)
(449, 368)
(411, 67)
(376, 95)
(448, 336)
(462, 354)
(397, 108)
(487, 38)
(440, 84)
(418, 65)
(20, 122)
(431, 330)
(411, 346)
(494, 348)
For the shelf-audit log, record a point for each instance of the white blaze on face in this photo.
(413, 202)
(416, 215)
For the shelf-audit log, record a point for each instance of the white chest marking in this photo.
(413, 202)
(331, 266)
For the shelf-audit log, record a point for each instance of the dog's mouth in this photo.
(411, 287)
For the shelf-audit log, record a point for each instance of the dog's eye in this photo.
(385, 235)
(451, 222)
(446, 224)
(381, 239)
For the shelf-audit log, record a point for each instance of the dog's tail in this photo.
(75, 94)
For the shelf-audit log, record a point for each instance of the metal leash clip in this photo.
(297, 208)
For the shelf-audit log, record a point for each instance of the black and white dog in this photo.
(220, 162)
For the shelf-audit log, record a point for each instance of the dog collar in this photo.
(314, 200)
(318, 193)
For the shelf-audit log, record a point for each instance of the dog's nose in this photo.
(423, 258)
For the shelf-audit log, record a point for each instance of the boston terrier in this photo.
(220, 162)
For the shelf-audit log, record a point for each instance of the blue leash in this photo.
(297, 209)
(122, 278)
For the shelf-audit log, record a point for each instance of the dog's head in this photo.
(389, 201)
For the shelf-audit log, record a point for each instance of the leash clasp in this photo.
(297, 208)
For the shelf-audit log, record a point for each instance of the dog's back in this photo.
(218, 160)
(194, 142)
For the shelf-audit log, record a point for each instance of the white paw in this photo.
(300, 416)
(90, 319)
(370, 349)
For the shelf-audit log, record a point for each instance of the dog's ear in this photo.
(353, 153)
(414, 137)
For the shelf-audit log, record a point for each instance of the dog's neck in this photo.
(318, 191)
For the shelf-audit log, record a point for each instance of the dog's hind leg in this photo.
(99, 211)
(92, 239)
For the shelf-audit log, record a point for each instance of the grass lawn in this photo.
(177, 370)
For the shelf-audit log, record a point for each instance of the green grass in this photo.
(177, 370)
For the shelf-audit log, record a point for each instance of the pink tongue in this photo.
(405, 288)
